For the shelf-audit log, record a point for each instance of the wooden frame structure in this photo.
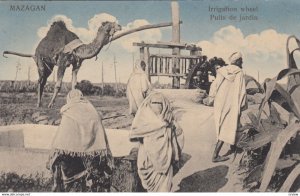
(172, 65)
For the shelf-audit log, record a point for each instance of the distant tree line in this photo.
(85, 86)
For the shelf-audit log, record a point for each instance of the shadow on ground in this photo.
(179, 164)
(209, 180)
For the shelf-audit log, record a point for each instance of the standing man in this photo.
(160, 142)
(138, 87)
(228, 93)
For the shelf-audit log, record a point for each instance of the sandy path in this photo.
(198, 173)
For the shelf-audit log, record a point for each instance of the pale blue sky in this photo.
(18, 30)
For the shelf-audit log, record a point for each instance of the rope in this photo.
(46, 65)
(109, 42)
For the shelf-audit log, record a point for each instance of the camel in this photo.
(62, 47)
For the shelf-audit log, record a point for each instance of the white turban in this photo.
(235, 56)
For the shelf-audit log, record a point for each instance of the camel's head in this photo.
(111, 28)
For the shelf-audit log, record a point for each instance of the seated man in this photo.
(80, 158)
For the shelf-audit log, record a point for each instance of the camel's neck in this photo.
(90, 50)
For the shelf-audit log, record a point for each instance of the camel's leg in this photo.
(74, 77)
(60, 74)
(57, 179)
(41, 84)
(43, 75)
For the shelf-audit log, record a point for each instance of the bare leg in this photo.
(231, 150)
(60, 75)
(216, 157)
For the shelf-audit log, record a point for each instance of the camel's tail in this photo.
(17, 53)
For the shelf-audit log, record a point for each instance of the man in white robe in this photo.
(228, 94)
(138, 86)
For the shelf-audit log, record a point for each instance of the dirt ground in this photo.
(196, 171)
(20, 108)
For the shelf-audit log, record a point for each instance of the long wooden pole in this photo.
(148, 64)
(117, 36)
(175, 39)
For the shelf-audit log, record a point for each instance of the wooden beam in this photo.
(165, 74)
(167, 45)
(141, 28)
(173, 44)
(148, 63)
(174, 56)
(183, 45)
(142, 53)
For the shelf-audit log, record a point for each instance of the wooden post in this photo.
(168, 65)
(102, 79)
(175, 39)
(148, 64)
(28, 74)
(142, 53)
(185, 66)
(155, 65)
(116, 82)
(18, 68)
(133, 61)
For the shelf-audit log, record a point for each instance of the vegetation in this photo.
(12, 182)
(109, 89)
(271, 145)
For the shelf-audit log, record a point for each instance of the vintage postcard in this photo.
(150, 96)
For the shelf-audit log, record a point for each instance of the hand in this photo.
(206, 101)
(178, 130)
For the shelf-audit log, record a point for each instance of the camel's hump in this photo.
(59, 29)
(57, 37)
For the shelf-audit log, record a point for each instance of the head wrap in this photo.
(81, 132)
(74, 95)
(146, 122)
(166, 113)
(234, 57)
(138, 67)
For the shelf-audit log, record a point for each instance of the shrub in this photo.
(85, 86)
(108, 90)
